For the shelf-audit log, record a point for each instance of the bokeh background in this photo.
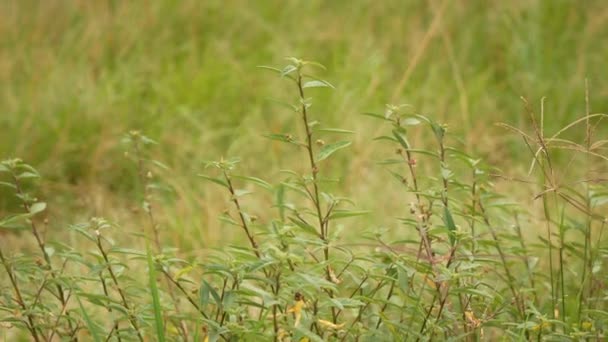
(76, 75)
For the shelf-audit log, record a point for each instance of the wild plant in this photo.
(462, 260)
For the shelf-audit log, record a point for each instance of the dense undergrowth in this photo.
(463, 261)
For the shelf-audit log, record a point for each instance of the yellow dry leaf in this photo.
(332, 276)
(330, 325)
(297, 308)
(474, 322)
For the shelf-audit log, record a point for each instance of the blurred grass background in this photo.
(76, 75)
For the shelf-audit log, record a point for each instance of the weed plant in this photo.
(461, 262)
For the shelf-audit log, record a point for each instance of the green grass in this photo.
(76, 76)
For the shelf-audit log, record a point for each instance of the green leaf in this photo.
(158, 317)
(335, 130)
(278, 71)
(391, 161)
(449, 223)
(96, 333)
(280, 201)
(28, 174)
(438, 130)
(160, 165)
(410, 122)
(342, 303)
(303, 225)
(281, 137)
(317, 84)
(241, 192)
(127, 251)
(401, 139)
(215, 180)
(256, 181)
(206, 290)
(37, 208)
(329, 149)
(377, 116)
(9, 185)
(338, 214)
(14, 222)
(315, 64)
(446, 173)
(288, 70)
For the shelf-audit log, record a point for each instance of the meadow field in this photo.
(303, 170)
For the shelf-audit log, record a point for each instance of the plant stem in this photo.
(145, 182)
(41, 245)
(121, 292)
(323, 224)
(19, 298)
(244, 223)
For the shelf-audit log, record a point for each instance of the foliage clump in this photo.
(463, 262)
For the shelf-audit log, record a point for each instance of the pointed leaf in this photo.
(93, 328)
(329, 149)
(215, 180)
(337, 214)
(256, 180)
(449, 223)
(401, 139)
(317, 84)
(335, 130)
(158, 312)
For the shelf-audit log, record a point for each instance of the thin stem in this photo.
(526, 259)
(19, 298)
(420, 206)
(323, 224)
(39, 240)
(107, 294)
(587, 260)
(503, 259)
(145, 183)
(388, 297)
(121, 292)
(244, 223)
(363, 308)
(313, 165)
(275, 322)
(186, 294)
(445, 201)
(41, 245)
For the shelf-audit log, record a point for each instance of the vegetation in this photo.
(331, 217)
